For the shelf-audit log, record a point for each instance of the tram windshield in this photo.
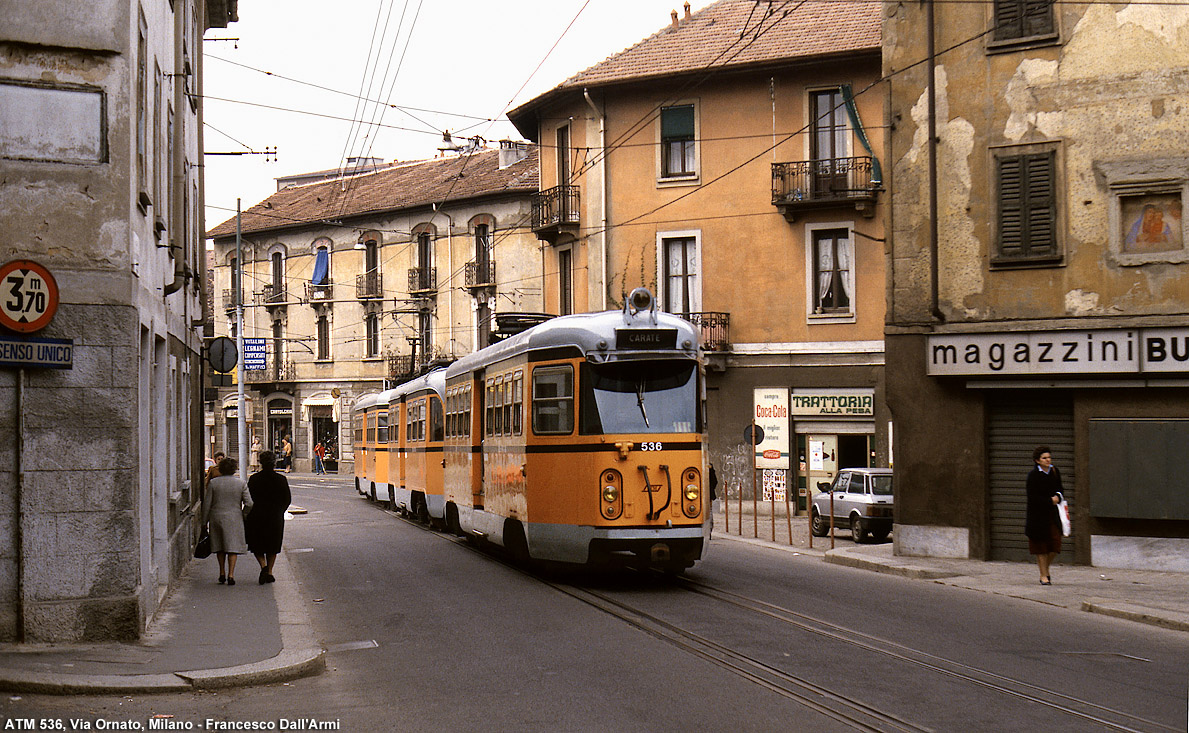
(640, 397)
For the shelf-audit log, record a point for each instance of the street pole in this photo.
(241, 422)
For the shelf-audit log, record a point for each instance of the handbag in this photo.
(203, 548)
(1063, 514)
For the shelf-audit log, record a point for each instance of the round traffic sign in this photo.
(28, 296)
(222, 354)
(757, 438)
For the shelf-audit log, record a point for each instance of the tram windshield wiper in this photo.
(640, 401)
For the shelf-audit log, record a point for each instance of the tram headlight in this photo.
(611, 494)
(691, 492)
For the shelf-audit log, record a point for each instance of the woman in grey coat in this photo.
(227, 502)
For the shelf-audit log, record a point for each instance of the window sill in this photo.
(372, 358)
(821, 319)
(692, 179)
(1027, 264)
(1009, 45)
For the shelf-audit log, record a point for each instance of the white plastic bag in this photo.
(1063, 513)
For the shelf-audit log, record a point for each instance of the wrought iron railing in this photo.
(715, 329)
(423, 279)
(400, 365)
(319, 291)
(229, 299)
(271, 294)
(555, 206)
(822, 181)
(274, 371)
(367, 285)
(480, 273)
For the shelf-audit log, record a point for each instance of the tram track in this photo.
(834, 705)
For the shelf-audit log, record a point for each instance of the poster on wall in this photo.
(774, 484)
(771, 414)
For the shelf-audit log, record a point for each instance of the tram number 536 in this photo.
(652, 446)
(28, 296)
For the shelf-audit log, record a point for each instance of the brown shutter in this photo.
(1011, 206)
(1027, 206)
(1042, 212)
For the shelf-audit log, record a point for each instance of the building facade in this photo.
(1047, 306)
(730, 163)
(101, 153)
(362, 281)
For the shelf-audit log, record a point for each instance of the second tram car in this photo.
(579, 440)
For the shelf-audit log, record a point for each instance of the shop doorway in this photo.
(854, 451)
(326, 431)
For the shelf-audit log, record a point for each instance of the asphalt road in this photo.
(425, 634)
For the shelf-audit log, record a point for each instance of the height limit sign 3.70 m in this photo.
(28, 296)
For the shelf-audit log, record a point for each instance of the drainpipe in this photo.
(934, 296)
(179, 149)
(602, 162)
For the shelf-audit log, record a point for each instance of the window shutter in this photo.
(1027, 206)
(1038, 17)
(677, 123)
(1011, 206)
(1009, 19)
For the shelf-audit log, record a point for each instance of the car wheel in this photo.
(857, 530)
(818, 526)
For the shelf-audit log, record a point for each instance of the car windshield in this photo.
(881, 485)
(640, 397)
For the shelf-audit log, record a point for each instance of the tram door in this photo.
(479, 425)
(822, 464)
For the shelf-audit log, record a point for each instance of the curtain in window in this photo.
(825, 269)
(321, 267)
(844, 257)
(681, 271)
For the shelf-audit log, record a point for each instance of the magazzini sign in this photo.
(1105, 351)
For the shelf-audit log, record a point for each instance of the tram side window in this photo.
(371, 428)
(435, 419)
(451, 414)
(499, 407)
(465, 429)
(553, 400)
(359, 430)
(489, 412)
(517, 403)
(382, 428)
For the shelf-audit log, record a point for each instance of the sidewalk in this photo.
(208, 635)
(205, 635)
(1147, 596)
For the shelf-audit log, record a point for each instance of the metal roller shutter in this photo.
(1017, 423)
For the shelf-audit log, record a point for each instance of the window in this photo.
(828, 142)
(489, 425)
(517, 403)
(278, 343)
(679, 274)
(565, 282)
(553, 400)
(1015, 19)
(321, 275)
(678, 151)
(563, 155)
(424, 250)
(382, 426)
(323, 338)
(277, 272)
(498, 406)
(142, 93)
(856, 484)
(832, 276)
(1027, 201)
(435, 419)
(425, 333)
(372, 341)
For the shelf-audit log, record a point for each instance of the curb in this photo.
(888, 567)
(300, 656)
(1174, 620)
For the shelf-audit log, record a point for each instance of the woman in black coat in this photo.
(1042, 525)
(265, 524)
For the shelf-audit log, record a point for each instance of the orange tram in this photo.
(579, 441)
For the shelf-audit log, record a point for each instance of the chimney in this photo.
(687, 11)
(674, 14)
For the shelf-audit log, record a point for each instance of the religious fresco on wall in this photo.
(1152, 223)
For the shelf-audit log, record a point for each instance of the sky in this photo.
(456, 65)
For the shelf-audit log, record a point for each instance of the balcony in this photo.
(480, 274)
(229, 300)
(367, 286)
(320, 292)
(271, 295)
(816, 184)
(715, 329)
(423, 280)
(555, 212)
(400, 366)
(274, 371)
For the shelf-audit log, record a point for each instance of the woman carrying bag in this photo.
(1042, 525)
(227, 503)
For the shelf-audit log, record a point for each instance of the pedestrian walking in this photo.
(319, 458)
(226, 503)
(265, 524)
(287, 454)
(1042, 525)
(213, 469)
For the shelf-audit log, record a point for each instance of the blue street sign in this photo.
(255, 354)
(37, 353)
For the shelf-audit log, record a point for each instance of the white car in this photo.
(863, 502)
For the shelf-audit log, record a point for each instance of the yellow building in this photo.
(360, 281)
(730, 163)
